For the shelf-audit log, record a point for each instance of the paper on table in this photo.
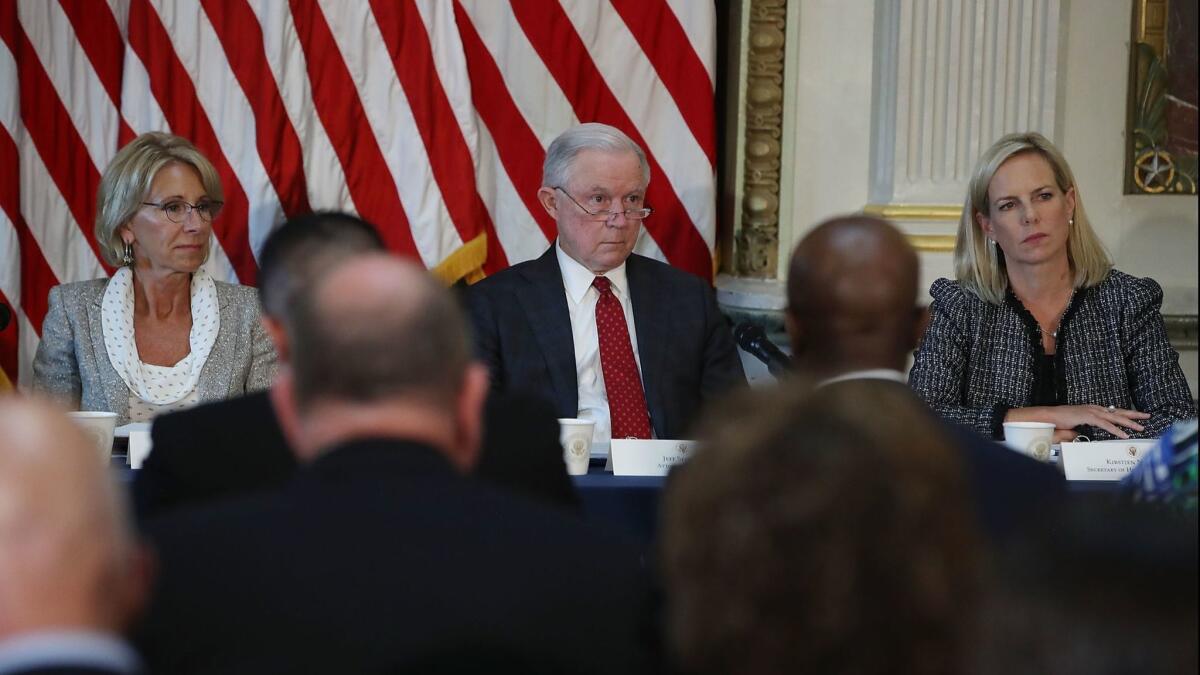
(1103, 460)
(139, 446)
(633, 457)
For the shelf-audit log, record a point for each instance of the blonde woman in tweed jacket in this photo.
(161, 334)
(1038, 326)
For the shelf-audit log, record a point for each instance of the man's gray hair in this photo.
(556, 170)
(411, 343)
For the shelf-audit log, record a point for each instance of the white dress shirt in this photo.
(67, 649)
(581, 303)
(872, 374)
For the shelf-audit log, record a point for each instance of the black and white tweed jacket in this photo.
(978, 360)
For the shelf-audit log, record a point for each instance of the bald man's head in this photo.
(378, 327)
(380, 349)
(66, 552)
(852, 296)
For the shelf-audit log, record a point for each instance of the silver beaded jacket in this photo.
(72, 364)
(978, 360)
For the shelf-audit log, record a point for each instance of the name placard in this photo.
(648, 457)
(1103, 460)
(139, 447)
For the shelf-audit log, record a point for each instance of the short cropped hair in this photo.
(556, 170)
(1096, 587)
(413, 344)
(980, 267)
(127, 178)
(306, 247)
(820, 531)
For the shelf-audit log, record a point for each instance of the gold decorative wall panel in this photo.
(1160, 135)
(757, 239)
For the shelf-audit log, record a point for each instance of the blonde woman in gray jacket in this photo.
(161, 334)
(1038, 325)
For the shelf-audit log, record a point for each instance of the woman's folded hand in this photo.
(1067, 417)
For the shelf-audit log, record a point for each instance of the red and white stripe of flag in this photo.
(429, 118)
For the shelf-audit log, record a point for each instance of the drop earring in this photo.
(128, 257)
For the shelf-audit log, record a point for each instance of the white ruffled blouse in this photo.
(154, 389)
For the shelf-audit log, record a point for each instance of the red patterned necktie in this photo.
(622, 382)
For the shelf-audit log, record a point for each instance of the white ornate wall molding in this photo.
(950, 77)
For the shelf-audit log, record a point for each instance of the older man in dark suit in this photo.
(381, 555)
(603, 333)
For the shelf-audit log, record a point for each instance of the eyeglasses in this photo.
(605, 215)
(177, 210)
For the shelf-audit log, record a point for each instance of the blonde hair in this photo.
(979, 266)
(127, 178)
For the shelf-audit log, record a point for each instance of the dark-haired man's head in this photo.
(380, 348)
(819, 532)
(306, 247)
(852, 297)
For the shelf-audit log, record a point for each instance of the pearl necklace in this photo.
(1058, 324)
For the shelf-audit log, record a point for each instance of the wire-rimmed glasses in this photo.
(177, 210)
(605, 216)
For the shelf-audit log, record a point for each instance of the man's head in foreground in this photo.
(852, 297)
(68, 561)
(380, 348)
(819, 532)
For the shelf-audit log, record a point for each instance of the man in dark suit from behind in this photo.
(603, 333)
(853, 315)
(71, 575)
(233, 446)
(381, 555)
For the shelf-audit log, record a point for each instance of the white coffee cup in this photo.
(575, 435)
(98, 427)
(1030, 438)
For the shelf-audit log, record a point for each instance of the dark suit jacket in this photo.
(235, 446)
(688, 357)
(1011, 492)
(379, 557)
(211, 451)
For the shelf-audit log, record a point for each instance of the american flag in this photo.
(429, 118)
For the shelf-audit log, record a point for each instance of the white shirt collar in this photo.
(67, 648)
(577, 279)
(149, 383)
(872, 374)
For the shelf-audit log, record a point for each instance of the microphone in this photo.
(753, 340)
(5, 316)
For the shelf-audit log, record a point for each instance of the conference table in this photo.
(626, 503)
(630, 504)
